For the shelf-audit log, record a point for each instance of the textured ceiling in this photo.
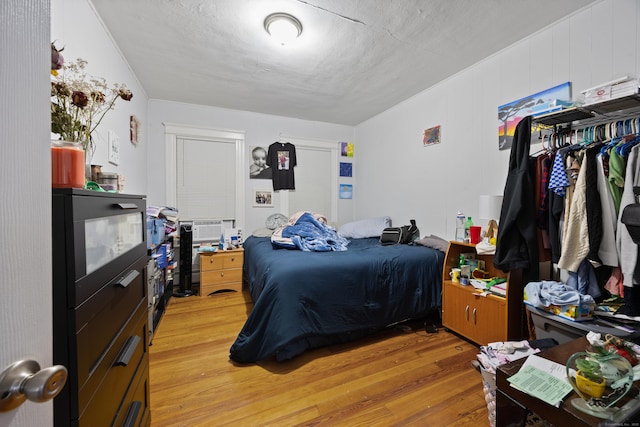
(354, 59)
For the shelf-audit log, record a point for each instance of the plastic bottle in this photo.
(467, 226)
(460, 218)
(461, 261)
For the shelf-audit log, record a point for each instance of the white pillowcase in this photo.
(364, 228)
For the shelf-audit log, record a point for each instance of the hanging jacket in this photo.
(517, 243)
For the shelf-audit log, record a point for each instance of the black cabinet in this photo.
(100, 308)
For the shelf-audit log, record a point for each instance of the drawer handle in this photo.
(466, 313)
(125, 355)
(128, 278)
(474, 316)
(132, 414)
(222, 274)
(126, 205)
(232, 259)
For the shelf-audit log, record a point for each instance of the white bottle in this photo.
(460, 232)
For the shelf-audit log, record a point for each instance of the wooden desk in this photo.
(511, 404)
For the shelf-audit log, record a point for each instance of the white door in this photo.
(25, 205)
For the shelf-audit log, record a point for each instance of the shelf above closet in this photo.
(604, 111)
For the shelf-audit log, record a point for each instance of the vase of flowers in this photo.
(79, 102)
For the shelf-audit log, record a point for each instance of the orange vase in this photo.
(67, 164)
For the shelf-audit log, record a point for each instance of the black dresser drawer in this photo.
(100, 402)
(135, 407)
(99, 319)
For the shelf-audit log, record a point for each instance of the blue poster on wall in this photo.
(346, 169)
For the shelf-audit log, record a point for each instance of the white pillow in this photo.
(363, 228)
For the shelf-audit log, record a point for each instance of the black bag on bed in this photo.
(400, 235)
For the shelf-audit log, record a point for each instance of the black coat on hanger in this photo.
(517, 243)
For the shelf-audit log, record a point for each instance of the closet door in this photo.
(205, 179)
(316, 178)
(313, 182)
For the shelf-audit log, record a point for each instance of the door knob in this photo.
(25, 380)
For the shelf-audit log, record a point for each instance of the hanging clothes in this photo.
(607, 252)
(627, 249)
(281, 158)
(542, 165)
(517, 243)
(593, 205)
(575, 240)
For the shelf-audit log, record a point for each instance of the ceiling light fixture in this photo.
(284, 28)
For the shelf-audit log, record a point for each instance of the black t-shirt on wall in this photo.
(281, 158)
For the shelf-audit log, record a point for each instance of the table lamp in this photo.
(489, 208)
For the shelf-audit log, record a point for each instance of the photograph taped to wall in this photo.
(346, 191)
(258, 168)
(263, 199)
(431, 136)
(509, 115)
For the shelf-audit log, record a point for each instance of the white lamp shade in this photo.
(490, 207)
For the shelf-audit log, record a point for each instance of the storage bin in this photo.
(548, 325)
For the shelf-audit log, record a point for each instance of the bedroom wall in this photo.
(260, 130)
(397, 176)
(76, 27)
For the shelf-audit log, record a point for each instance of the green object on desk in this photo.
(495, 281)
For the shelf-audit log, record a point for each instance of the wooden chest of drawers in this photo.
(220, 271)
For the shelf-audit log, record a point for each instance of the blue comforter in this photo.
(304, 300)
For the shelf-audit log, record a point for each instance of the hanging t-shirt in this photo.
(281, 158)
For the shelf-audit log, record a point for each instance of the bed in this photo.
(304, 300)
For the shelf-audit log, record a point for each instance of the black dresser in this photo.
(100, 308)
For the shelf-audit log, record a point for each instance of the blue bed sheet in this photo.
(304, 300)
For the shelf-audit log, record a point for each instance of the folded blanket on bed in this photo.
(308, 232)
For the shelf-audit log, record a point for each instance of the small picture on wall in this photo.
(134, 130)
(114, 148)
(258, 168)
(346, 169)
(431, 136)
(263, 199)
(346, 149)
(346, 191)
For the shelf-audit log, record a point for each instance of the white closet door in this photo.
(205, 180)
(313, 181)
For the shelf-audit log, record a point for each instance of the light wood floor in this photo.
(401, 376)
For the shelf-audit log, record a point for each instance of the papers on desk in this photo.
(543, 379)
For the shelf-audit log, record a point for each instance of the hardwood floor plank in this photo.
(399, 376)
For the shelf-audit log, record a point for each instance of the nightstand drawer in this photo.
(220, 260)
(220, 277)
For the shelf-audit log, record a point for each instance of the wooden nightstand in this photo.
(221, 270)
(482, 319)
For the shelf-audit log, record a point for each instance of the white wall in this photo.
(76, 27)
(260, 129)
(399, 177)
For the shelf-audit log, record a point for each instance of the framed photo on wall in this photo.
(263, 199)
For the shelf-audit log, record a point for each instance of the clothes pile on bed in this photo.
(307, 232)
